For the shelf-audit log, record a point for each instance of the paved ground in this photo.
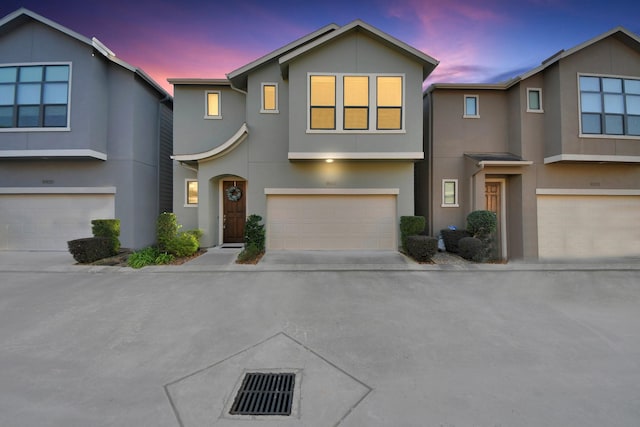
(514, 345)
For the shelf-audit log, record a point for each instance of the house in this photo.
(83, 135)
(318, 137)
(554, 152)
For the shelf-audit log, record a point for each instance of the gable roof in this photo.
(238, 78)
(620, 33)
(23, 15)
(428, 63)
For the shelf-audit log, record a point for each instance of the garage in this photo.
(48, 221)
(588, 225)
(332, 221)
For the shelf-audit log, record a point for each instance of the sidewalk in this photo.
(220, 259)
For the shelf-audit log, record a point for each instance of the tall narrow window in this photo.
(356, 102)
(269, 98)
(213, 105)
(192, 192)
(323, 102)
(471, 106)
(534, 100)
(449, 193)
(389, 102)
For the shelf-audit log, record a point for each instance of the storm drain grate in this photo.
(264, 394)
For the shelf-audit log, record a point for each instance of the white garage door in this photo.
(323, 222)
(586, 226)
(48, 221)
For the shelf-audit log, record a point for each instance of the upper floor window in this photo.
(212, 105)
(609, 105)
(356, 102)
(471, 109)
(34, 96)
(269, 98)
(534, 100)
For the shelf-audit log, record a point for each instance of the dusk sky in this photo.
(475, 41)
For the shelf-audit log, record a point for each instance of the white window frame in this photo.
(455, 193)
(532, 110)
(186, 193)
(373, 108)
(45, 129)
(262, 109)
(464, 107)
(206, 105)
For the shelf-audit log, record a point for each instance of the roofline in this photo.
(93, 42)
(285, 59)
(201, 82)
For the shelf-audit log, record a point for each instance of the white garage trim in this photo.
(586, 192)
(52, 153)
(327, 191)
(57, 190)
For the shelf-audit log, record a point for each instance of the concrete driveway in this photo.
(476, 348)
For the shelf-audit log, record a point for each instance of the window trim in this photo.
(373, 107)
(206, 105)
(66, 128)
(455, 204)
(464, 107)
(262, 109)
(579, 108)
(188, 181)
(532, 110)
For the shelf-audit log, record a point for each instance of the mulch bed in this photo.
(120, 260)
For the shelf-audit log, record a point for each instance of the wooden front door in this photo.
(234, 208)
(493, 199)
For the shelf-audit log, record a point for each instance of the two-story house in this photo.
(318, 137)
(554, 152)
(83, 135)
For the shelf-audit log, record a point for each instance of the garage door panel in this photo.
(325, 222)
(587, 226)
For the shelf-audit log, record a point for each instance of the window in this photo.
(609, 106)
(34, 96)
(449, 193)
(471, 106)
(345, 103)
(212, 105)
(323, 102)
(269, 98)
(192, 192)
(534, 100)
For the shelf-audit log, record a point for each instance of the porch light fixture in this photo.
(329, 160)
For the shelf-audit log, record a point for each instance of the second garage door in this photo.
(325, 222)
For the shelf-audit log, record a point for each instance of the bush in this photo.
(166, 229)
(197, 233)
(249, 254)
(143, 257)
(107, 228)
(164, 258)
(254, 233)
(184, 244)
(451, 239)
(410, 226)
(473, 249)
(90, 249)
(422, 248)
(481, 223)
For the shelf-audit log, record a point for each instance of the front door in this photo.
(234, 210)
(494, 203)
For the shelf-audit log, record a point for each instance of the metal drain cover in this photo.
(264, 394)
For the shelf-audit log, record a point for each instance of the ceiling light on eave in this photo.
(329, 160)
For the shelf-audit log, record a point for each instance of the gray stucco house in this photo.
(554, 152)
(318, 137)
(83, 135)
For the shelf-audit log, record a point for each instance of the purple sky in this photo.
(474, 40)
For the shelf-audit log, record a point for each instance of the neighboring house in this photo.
(319, 137)
(555, 152)
(83, 135)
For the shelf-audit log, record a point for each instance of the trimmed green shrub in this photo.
(90, 249)
(143, 257)
(107, 228)
(197, 233)
(451, 239)
(184, 244)
(410, 226)
(164, 258)
(249, 254)
(473, 249)
(481, 223)
(422, 248)
(166, 229)
(254, 233)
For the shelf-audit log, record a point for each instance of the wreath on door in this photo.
(234, 193)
